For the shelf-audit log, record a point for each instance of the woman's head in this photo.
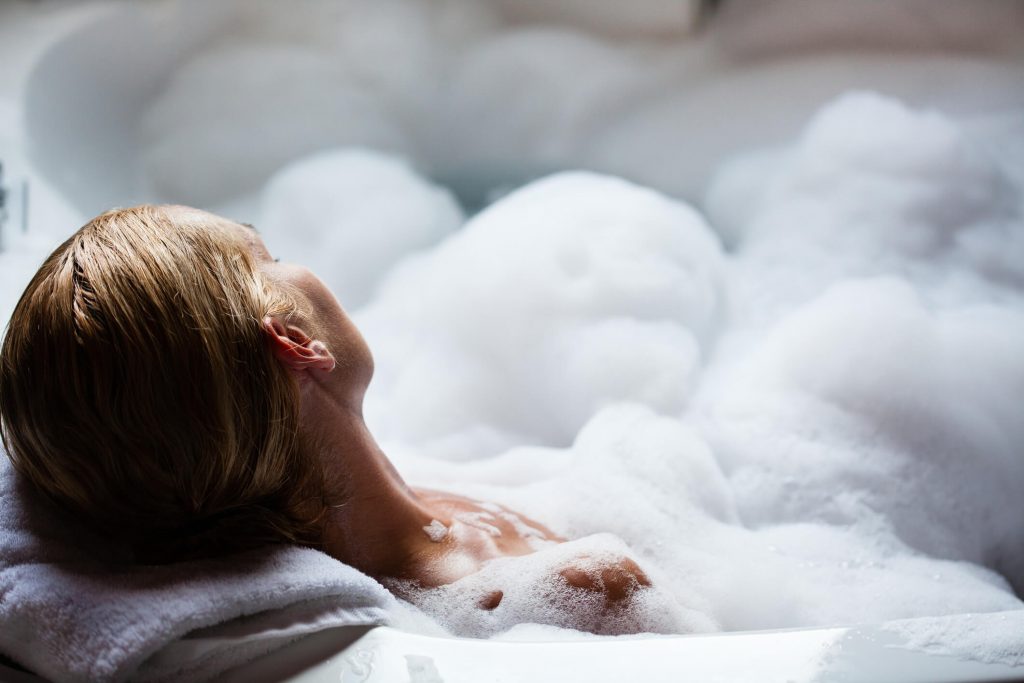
(138, 388)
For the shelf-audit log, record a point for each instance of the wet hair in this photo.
(137, 390)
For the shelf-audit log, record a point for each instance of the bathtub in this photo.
(82, 145)
(849, 654)
(354, 654)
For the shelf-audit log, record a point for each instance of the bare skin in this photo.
(386, 528)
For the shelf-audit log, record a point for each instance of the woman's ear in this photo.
(295, 348)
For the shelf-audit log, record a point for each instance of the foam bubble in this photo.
(910, 195)
(350, 215)
(867, 393)
(532, 589)
(611, 288)
(436, 531)
(480, 520)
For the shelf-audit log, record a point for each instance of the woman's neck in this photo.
(377, 523)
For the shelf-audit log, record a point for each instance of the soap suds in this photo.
(479, 520)
(534, 592)
(817, 426)
(436, 531)
(990, 638)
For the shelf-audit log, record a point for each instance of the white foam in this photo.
(573, 292)
(436, 531)
(479, 520)
(842, 446)
(988, 638)
(350, 215)
(533, 591)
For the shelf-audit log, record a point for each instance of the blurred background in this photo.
(202, 102)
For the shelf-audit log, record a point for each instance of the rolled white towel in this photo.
(72, 609)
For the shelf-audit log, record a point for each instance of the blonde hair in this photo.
(137, 389)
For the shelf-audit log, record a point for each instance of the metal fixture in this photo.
(3, 206)
(13, 207)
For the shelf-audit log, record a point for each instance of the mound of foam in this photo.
(655, 482)
(837, 396)
(350, 215)
(871, 188)
(863, 402)
(573, 292)
(533, 591)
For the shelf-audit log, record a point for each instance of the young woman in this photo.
(168, 381)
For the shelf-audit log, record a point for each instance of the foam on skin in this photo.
(530, 589)
(436, 531)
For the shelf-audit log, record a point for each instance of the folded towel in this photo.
(72, 609)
